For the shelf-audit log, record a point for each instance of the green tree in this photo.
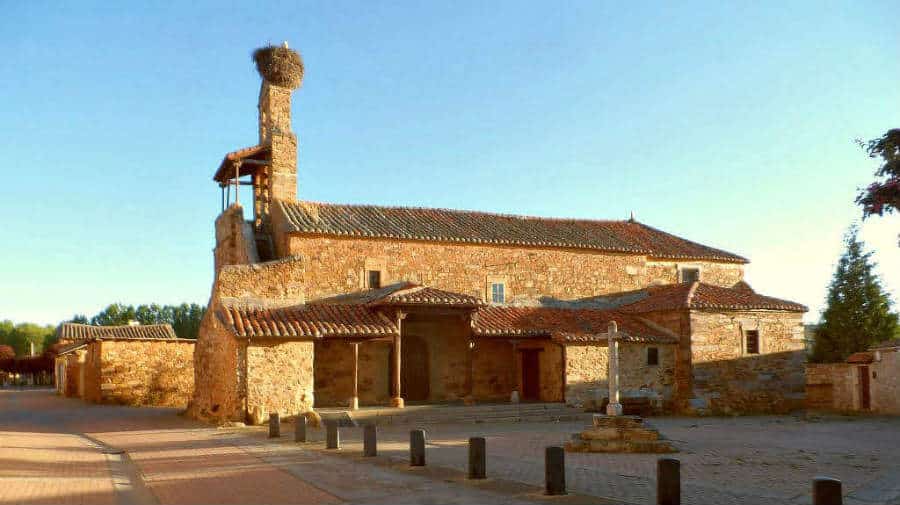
(115, 314)
(184, 318)
(883, 195)
(23, 335)
(79, 319)
(858, 312)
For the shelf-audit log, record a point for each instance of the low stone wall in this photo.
(144, 372)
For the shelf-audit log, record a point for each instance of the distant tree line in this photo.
(184, 318)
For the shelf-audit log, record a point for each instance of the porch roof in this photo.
(310, 321)
(702, 296)
(403, 294)
(566, 325)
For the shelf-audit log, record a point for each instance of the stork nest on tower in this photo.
(279, 65)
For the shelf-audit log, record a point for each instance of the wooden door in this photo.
(531, 374)
(414, 371)
(865, 399)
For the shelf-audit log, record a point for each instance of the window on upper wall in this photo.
(373, 279)
(498, 292)
(751, 341)
(690, 275)
(652, 356)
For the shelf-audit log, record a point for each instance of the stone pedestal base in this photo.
(614, 409)
(397, 403)
(619, 434)
(353, 404)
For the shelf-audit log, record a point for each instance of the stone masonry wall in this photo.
(885, 383)
(279, 378)
(89, 377)
(334, 266)
(679, 323)
(217, 376)
(273, 280)
(587, 371)
(493, 370)
(146, 372)
(551, 364)
(727, 380)
(334, 373)
(234, 239)
(832, 387)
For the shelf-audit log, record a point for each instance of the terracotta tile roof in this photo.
(81, 332)
(700, 296)
(307, 321)
(569, 325)
(226, 170)
(414, 294)
(861, 358)
(445, 225)
(404, 293)
(66, 349)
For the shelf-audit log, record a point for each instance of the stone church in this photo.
(338, 305)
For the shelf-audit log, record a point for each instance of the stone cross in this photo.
(614, 408)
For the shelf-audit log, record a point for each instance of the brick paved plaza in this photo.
(53, 450)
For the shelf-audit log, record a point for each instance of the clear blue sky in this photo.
(731, 126)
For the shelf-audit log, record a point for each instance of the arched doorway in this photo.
(415, 379)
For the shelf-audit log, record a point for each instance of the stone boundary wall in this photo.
(831, 387)
(146, 372)
(885, 383)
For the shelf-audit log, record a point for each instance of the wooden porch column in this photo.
(354, 400)
(397, 400)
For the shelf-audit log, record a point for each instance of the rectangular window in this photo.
(752, 338)
(498, 292)
(374, 279)
(652, 356)
(690, 275)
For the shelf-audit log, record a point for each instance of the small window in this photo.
(652, 356)
(374, 279)
(690, 275)
(498, 292)
(752, 337)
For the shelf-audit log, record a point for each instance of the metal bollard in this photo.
(274, 425)
(417, 448)
(370, 441)
(300, 428)
(555, 471)
(477, 458)
(668, 481)
(332, 436)
(826, 491)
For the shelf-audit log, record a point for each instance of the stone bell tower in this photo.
(281, 69)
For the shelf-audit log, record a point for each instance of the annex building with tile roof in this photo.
(323, 304)
(134, 364)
